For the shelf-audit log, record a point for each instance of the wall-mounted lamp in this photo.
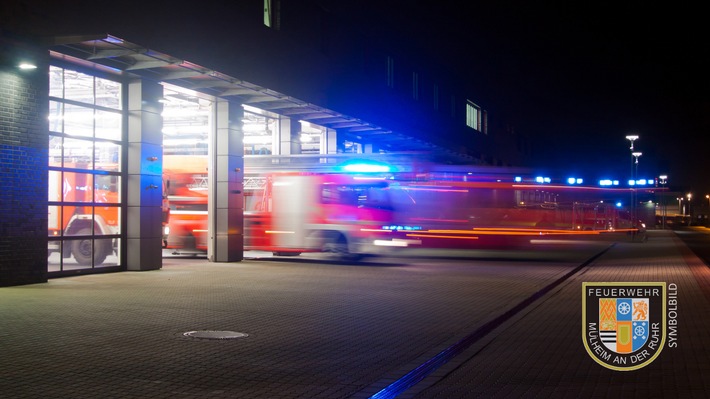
(25, 66)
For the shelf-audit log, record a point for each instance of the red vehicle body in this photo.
(338, 213)
(186, 230)
(481, 214)
(79, 218)
(291, 213)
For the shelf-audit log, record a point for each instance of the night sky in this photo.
(576, 77)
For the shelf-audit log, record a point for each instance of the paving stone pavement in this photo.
(319, 330)
(540, 352)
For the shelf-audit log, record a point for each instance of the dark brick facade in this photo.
(23, 166)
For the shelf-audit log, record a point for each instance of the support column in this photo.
(289, 140)
(145, 169)
(329, 143)
(226, 182)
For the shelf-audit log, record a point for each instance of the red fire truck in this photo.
(86, 205)
(80, 219)
(186, 230)
(290, 213)
(343, 214)
(458, 213)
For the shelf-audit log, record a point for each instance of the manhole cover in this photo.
(207, 334)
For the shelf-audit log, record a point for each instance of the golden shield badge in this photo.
(624, 324)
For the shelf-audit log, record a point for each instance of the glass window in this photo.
(78, 87)
(55, 151)
(111, 259)
(473, 116)
(77, 153)
(108, 217)
(56, 82)
(68, 213)
(108, 125)
(55, 217)
(77, 187)
(107, 156)
(55, 186)
(56, 117)
(108, 93)
(356, 196)
(267, 13)
(54, 260)
(84, 179)
(107, 189)
(81, 251)
(78, 120)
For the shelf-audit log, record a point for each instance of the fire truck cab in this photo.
(81, 220)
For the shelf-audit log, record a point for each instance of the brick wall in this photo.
(23, 166)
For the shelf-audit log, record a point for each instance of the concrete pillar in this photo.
(226, 182)
(329, 143)
(289, 139)
(145, 169)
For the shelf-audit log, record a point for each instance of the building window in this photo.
(473, 116)
(272, 14)
(390, 72)
(85, 171)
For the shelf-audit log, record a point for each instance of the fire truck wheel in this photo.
(338, 246)
(81, 250)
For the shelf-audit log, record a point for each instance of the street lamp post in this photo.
(635, 155)
(664, 179)
(632, 138)
(690, 216)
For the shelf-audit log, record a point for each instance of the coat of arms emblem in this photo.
(623, 324)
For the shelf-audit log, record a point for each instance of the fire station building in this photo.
(93, 100)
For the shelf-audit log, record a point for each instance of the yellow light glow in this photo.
(441, 236)
(388, 243)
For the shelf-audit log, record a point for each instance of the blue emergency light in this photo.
(365, 166)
